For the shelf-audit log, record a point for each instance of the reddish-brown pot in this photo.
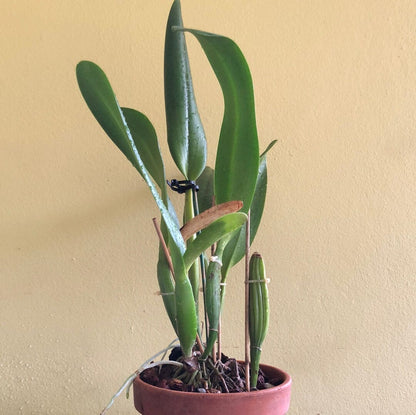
(151, 400)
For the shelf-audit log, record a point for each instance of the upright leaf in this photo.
(186, 316)
(237, 159)
(236, 247)
(186, 137)
(258, 313)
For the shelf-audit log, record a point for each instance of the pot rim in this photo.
(286, 384)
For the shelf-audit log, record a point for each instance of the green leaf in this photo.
(167, 287)
(145, 139)
(186, 317)
(206, 189)
(237, 159)
(186, 137)
(102, 102)
(258, 313)
(99, 96)
(214, 232)
(235, 249)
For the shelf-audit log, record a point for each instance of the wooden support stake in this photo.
(247, 298)
(164, 247)
(199, 343)
(219, 339)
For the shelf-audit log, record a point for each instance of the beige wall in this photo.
(335, 84)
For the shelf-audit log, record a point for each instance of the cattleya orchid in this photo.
(223, 205)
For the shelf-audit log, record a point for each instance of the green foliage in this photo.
(206, 189)
(237, 159)
(214, 232)
(100, 98)
(145, 140)
(186, 137)
(240, 173)
(235, 249)
(258, 313)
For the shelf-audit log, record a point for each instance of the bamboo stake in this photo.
(199, 343)
(214, 354)
(164, 246)
(219, 340)
(247, 309)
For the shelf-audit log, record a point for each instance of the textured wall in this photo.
(334, 83)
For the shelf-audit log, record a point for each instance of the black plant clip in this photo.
(181, 186)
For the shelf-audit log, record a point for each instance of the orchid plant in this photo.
(222, 206)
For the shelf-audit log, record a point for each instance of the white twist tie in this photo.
(215, 259)
(162, 294)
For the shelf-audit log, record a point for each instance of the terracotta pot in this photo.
(151, 400)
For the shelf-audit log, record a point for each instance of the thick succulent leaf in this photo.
(167, 287)
(258, 301)
(186, 317)
(145, 139)
(213, 233)
(102, 102)
(205, 194)
(186, 137)
(258, 312)
(100, 98)
(235, 249)
(171, 210)
(237, 160)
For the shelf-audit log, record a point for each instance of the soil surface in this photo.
(223, 376)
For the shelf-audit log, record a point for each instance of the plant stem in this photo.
(202, 266)
(193, 272)
(191, 380)
(222, 380)
(214, 296)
